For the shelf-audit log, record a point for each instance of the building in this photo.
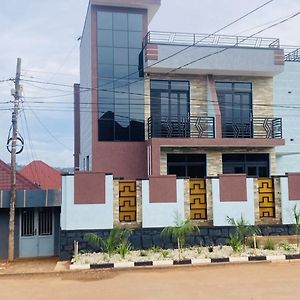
(43, 175)
(36, 216)
(174, 122)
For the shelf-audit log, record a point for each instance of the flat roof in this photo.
(151, 5)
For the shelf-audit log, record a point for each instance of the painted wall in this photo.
(232, 209)
(287, 204)
(86, 96)
(161, 214)
(86, 216)
(286, 96)
(233, 61)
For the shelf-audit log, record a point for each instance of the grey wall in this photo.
(286, 98)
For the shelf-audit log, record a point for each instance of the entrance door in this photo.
(36, 232)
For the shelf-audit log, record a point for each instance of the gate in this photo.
(36, 232)
(198, 201)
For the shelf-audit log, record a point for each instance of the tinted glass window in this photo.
(120, 21)
(135, 39)
(120, 38)
(105, 38)
(121, 56)
(104, 20)
(105, 55)
(135, 22)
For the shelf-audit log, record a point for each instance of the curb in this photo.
(197, 261)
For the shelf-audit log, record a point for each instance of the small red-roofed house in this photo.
(37, 213)
(43, 175)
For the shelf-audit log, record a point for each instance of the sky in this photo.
(44, 34)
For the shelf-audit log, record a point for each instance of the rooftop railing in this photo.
(292, 54)
(175, 38)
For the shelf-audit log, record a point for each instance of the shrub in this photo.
(296, 214)
(180, 231)
(235, 243)
(269, 245)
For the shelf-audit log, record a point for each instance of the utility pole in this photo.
(14, 120)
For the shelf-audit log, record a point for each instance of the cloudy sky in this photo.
(44, 34)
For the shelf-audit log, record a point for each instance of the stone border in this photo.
(196, 261)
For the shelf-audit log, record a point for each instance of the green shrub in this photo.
(285, 246)
(235, 243)
(269, 245)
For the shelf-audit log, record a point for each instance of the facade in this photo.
(37, 215)
(176, 122)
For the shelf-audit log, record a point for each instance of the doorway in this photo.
(37, 232)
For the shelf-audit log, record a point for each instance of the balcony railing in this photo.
(176, 38)
(181, 127)
(260, 128)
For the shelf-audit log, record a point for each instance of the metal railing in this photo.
(181, 127)
(260, 128)
(175, 38)
(292, 54)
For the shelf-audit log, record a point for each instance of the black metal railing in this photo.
(181, 127)
(179, 38)
(260, 128)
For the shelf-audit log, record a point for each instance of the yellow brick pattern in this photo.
(127, 201)
(198, 203)
(266, 198)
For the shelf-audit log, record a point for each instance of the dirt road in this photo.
(248, 281)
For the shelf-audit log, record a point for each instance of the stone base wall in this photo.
(146, 238)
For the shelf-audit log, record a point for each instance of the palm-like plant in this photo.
(180, 231)
(242, 228)
(110, 245)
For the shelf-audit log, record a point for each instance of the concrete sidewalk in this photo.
(33, 266)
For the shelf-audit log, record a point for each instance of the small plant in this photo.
(243, 229)
(269, 245)
(199, 250)
(296, 214)
(210, 249)
(124, 248)
(235, 243)
(116, 237)
(285, 246)
(180, 231)
(155, 249)
(164, 253)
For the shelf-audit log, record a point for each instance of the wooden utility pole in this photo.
(17, 94)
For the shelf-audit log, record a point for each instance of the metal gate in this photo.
(37, 232)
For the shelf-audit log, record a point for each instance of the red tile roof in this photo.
(5, 179)
(43, 175)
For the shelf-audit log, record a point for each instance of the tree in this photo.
(180, 231)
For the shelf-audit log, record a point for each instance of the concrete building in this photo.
(174, 122)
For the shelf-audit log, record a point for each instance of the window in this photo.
(235, 101)
(187, 165)
(119, 42)
(250, 164)
(170, 107)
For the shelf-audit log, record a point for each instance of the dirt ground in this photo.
(242, 281)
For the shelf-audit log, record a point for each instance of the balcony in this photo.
(204, 127)
(182, 127)
(257, 128)
(188, 53)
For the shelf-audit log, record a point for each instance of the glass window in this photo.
(105, 38)
(133, 72)
(105, 55)
(135, 39)
(120, 38)
(104, 20)
(180, 86)
(106, 71)
(121, 71)
(243, 87)
(134, 56)
(135, 22)
(121, 56)
(120, 21)
(106, 129)
(224, 86)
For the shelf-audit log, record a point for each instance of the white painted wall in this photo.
(85, 216)
(86, 96)
(161, 214)
(286, 96)
(286, 204)
(232, 209)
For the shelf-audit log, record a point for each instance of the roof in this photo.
(43, 175)
(22, 183)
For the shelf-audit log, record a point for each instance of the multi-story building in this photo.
(173, 122)
(162, 103)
